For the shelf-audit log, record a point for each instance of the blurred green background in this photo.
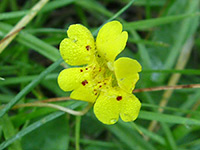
(163, 36)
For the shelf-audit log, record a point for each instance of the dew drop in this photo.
(113, 120)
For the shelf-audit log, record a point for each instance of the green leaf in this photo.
(56, 4)
(169, 136)
(30, 128)
(36, 125)
(29, 87)
(168, 118)
(146, 24)
(184, 71)
(34, 43)
(10, 15)
(129, 136)
(54, 135)
(22, 79)
(185, 32)
(48, 7)
(151, 135)
(8, 131)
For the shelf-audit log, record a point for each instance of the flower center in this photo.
(102, 74)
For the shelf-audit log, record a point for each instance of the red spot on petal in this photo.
(84, 82)
(81, 70)
(100, 86)
(95, 94)
(119, 98)
(88, 47)
(86, 68)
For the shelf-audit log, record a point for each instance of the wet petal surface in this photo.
(85, 92)
(106, 108)
(111, 40)
(69, 79)
(129, 107)
(79, 48)
(126, 72)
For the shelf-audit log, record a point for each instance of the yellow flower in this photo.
(100, 79)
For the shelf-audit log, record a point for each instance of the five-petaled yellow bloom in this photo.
(100, 79)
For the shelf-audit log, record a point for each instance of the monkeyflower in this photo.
(100, 79)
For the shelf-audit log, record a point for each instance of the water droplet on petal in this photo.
(113, 120)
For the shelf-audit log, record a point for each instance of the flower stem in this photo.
(56, 99)
(77, 132)
(67, 110)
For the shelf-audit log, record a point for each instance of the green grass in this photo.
(161, 32)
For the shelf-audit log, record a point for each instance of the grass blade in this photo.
(29, 87)
(34, 43)
(30, 128)
(169, 136)
(147, 24)
(168, 118)
(9, 131)
(22, 23)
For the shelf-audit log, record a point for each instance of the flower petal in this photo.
(79, 48)
(106, 107)
(130, 107)
(126, 72)
(69, 79)
(111, 40)
(85, 92)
